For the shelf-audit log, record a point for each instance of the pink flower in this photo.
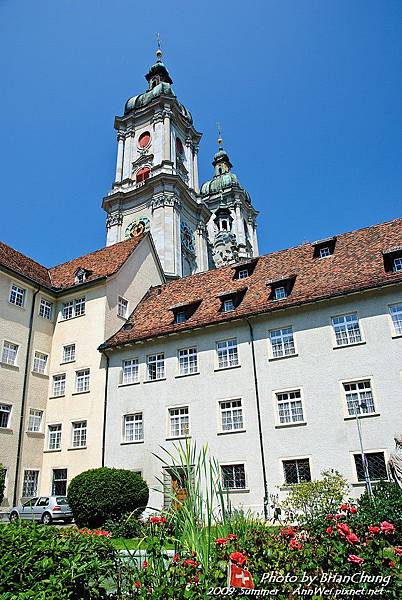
(288, 532)
(329, 530)
(343, 529)
(352, 538)
(353, 510)
(220, 541)
(356, 560)
(295, 545)
(329, 517)
(387, 527)
(190, 563)
(145, 564)
(374, 529)
(398, 550)
(391, 564)
(339, 516)
(238, 558)
(231, 536)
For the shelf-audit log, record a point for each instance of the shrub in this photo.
(100, 494)
(42, 563)
(127, 526)
(2, 482)
(312, 500)
(385, 506)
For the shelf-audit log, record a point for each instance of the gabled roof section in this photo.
(356, 266)
(23, 265)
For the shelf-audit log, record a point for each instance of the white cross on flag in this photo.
(240, 578)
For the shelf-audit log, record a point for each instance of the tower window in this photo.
(144, 139)
(224, 225)
(179, 147)
(142, 174)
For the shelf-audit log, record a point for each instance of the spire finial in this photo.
(220, 140)
(158, 51)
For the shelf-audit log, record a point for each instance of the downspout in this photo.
(105, 409)
(257, 397)
(24, 397)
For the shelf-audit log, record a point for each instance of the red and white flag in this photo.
(238, 577)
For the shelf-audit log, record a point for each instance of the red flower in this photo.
(374, 529)
(387, 527)
(356, 560)
(238, 558)
(220, 541)
(339, 516)
(145, 564)
(391, 564)
(231, 536)
(343, 529)
(295, 545)
(344, 507)
(137, 584)
(329, 530)
(194, 579)
(352, 538)
(329, 517)
(163, 520)
(176, 558)
(154, 519)
(353, 510)
(398, 550)
(288, 532)
(190, 563)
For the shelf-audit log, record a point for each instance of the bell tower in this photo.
(156, 183)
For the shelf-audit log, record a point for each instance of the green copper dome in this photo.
(223, 178)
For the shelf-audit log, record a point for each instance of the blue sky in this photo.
(309, 94)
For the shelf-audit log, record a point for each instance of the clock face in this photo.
(144, 140)
(138, 227)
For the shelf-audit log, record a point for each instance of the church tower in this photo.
(232, 225)
(156, 184)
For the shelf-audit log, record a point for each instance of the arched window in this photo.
(142, 174)
(179, 147)
(144, 139)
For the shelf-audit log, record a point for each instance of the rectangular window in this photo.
(376, 466)
(59, 482)
(243, 273)
(396, 315)
(282, 342)
(40, 362)
(54, 437)
(179, 421)
(133, 428)
(188, 361)
(73, 308)
(325, 251)
(347, 329)
(5, 412)
(79, 434)
(231, 415)
(398, 264)
(68, 353)
(297, 470)
(156, 366)
(290, 408)
(233, 477)
(180, 317)
(59, 385)
(359, 397)
(17, 295)
(279, 293)
(130, 373)
(122, 307)
(46, 309)
(228, 305)
(82, 381)
(227, 353)
(30, 485)
(9, 354)
(35, 420)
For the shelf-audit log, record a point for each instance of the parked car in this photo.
(44, 509)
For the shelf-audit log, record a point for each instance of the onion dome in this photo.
(223, 178)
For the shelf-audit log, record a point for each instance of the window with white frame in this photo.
(231, 415)
(35, 420)
(122, 307)
(79, 434)
(242, 274)
(398, 264)
(324, 252)
(297, 470)
(347, 329)
(228, 305)
(17, 295)
(130, 371)
(46, 309)
(5, 413)
(179, 421)
(9, 354)
(59, 385)
(233, 477)
(359, 397)
(282, 342)
(376, 466)
(80, 276)
(188, 361)
(227, 353)
(54, 437)
(290, 407)
(30, 484)
(396, 316)
(82, 380)
(280, 293)
(59, 482)
(133, 428)
(73, 308)
(180, 317)
(40, 362)
(156, 366)
(68, 353)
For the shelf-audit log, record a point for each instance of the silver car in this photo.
(45, 509)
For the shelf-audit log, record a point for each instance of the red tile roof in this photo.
(101, 263)
(357, 264)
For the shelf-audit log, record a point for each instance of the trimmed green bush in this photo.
(45, 563)
(100, 494)
(2, 482)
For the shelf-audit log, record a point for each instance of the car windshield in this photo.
(61, 501)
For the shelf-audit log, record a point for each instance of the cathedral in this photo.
(285, 365)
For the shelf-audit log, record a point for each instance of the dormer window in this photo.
(183, 311)
(231, 300)
(81, 276)
(393, 259)
(280, 292)
(180, 317)
(324, 248)
(398, 264)
(245, 269)
(281, 288)
(228, 305)
(242, 274)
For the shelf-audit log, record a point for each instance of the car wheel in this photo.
(46, 518)
(14, 517)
